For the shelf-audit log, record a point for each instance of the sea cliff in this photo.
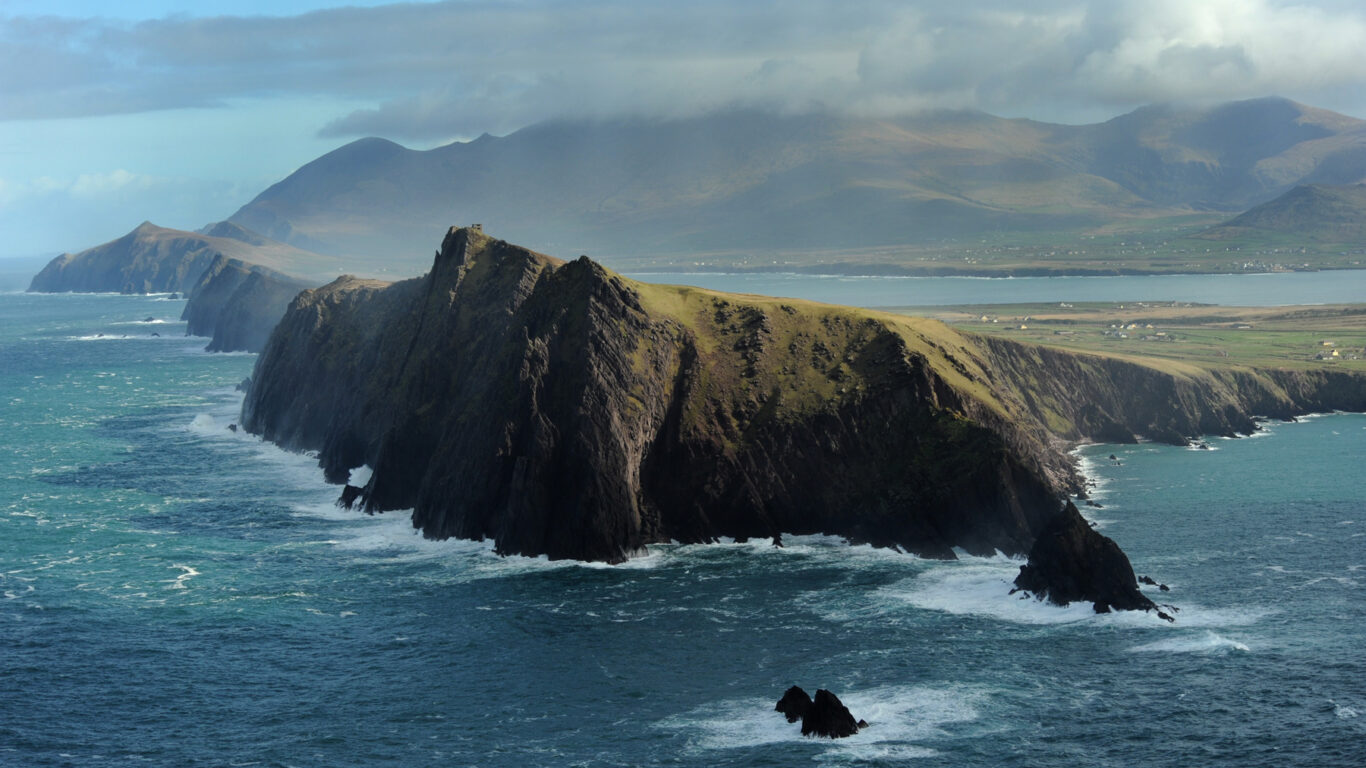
(237, 304)
(560, 409)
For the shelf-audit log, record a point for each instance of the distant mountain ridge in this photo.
(1318, 212)
(747, 180)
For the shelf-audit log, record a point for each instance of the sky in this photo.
(112, 113)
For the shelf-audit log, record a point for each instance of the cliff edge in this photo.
(237, 304)
(560, 409)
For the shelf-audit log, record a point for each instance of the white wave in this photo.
(900, 719)
(178, 582)
(982, 588)
(105, 337)
(204, 423)
(359, 476)
(1206, 642)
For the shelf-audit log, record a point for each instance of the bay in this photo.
(178, 594)
(1269, 289)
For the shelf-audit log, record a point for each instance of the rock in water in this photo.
(828, 717)
(349, 495)
(794, 704)
(1070, 561)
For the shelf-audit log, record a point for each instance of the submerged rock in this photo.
(1072, 562)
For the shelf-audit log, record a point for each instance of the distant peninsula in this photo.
(235, 295)
(561, 409)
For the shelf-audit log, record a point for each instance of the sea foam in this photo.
(1205, 642)
(900, 719)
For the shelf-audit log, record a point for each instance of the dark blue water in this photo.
(175, 594)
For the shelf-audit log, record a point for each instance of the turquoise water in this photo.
(176, 594)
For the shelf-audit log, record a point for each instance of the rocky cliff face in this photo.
(238, 304)
(1107, 399)
(560, 409)
(1070, 561)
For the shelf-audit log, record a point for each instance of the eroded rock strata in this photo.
(561, 409)
(238, 304)
(1071, 562)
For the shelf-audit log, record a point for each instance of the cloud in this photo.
(449, 69)
(86, 186)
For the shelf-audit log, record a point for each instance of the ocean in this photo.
(173, 593)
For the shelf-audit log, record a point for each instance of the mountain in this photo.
(153, 259)
(561, 409)
(1314, 212)
(752, 182)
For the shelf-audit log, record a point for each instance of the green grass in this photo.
(1282, 337)
(1167, 245)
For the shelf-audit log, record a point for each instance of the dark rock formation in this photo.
(348, 496)
(1070, 562)
(238, 304)
(560, 409)
(828, 717)
(1150, 581)
(1093, 397)
(563, 410)
(794, 703)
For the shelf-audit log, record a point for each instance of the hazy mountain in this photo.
(745, 180)
(1323, 213)
(154, 259)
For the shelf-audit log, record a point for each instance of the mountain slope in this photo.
(750, 181)
(153, 259)
(1316, 212)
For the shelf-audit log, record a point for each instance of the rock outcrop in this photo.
(560, 409)
(794, 703)
(828, 717)
(1070, 562)
(1078, 396)
(238, 304)
(563, 410)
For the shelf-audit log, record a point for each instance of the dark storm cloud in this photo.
(444, 69)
